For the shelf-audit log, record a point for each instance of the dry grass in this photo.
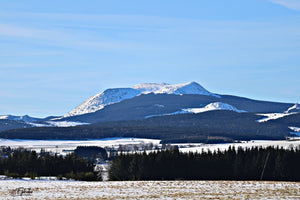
(155, 190)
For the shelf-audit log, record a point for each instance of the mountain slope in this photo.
(24, 118)
(294, 108)
(160, 104)
(111, 96)
(238, 115)
(7, 124)
(202, 127)
(99, 101)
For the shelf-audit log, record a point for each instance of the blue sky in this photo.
(55, 54)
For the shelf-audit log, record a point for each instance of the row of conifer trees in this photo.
(232, 164)
(20, 163)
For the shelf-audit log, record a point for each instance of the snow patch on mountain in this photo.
(294, 108)
(105, 98)
(111, 96)
(272, 116)
(210, 107)
(164, 88)
(146, 88)
(37, 122)
(295, 129)
(66, 123)
(58, 124)
(213, 106)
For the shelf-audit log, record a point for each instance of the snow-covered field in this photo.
(246, 144)
(43, 189)
(153, 190)
(64, 146)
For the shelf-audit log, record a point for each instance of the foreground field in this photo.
(153, 190)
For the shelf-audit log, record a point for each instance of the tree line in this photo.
(233, 164)
(24, 163)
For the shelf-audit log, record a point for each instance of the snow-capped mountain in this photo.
(24, 118)
(111, 96)
(181, 111)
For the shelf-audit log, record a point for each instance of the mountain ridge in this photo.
(116, 95)
(147, 104)
(25, 118)
(154, 103)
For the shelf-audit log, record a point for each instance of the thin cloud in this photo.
(14, 31)
(291, 4)
(80, 39)
(89, 39)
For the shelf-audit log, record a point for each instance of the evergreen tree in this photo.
(241, 164)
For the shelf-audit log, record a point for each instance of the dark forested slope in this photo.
(155, 104)
(228, 125)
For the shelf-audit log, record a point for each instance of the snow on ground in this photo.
(254, 143)
(64, 146)
(272, 116)
(295, 129)
(153, 190)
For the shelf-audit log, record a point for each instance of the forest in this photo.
(276, 164)
(24, 163)
(233, 164)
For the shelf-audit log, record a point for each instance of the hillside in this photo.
(214, 126)
(155, 104)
